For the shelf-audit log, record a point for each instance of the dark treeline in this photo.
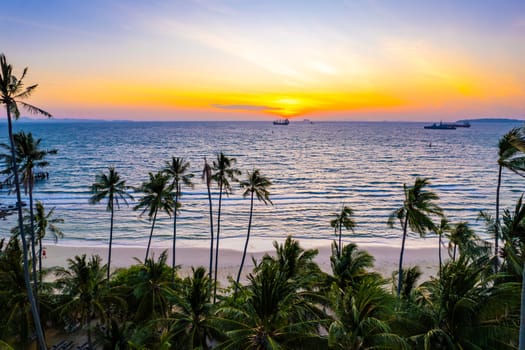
(287, 302)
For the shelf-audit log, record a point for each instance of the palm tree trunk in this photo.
(522, 312)
(439, 253)
(400, 273)
(211, 235)
(30, 295)
(32, 235)
(217, 246)
(40, 262)
(496, 227)
(90, 344)
(110, 239)
(454, 254)
(245, 248)
(340, 234)
(151, 234)
(174, 235)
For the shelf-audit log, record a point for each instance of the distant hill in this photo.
(492, 120)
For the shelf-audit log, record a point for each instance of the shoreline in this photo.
(386, 258)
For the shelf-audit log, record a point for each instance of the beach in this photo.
(386, 258)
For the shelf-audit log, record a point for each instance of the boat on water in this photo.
(460, 124)
(440, 126)
(281, 122)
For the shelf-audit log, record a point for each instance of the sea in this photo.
(315, 168)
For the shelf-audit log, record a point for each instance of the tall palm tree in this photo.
(157, 196)
(511, 148)
(177, 170)
(29, 157)
(207, 176)
(44, 223)
(112, 187)
(224, 172)
(343, 219)
(255, 185)
(12, 92)
(415, 214)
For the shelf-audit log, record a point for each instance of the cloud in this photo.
(245, 107)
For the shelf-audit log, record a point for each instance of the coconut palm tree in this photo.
(511, 148)
(192, 319)
(12, 91)
(177, 170)
(255, 185)
(112, 187)
(29, 156)
(350, 266)
(83, 285)
(463, 238)
(415, 214)
(45, 223)
(224, 172)
(207, 177)
(440, 230)
(343, 219)
(157, 196)
(361, 313)
(274, 314)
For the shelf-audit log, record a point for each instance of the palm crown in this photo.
(110, 186)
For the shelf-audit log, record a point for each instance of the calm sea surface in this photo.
(315, 169)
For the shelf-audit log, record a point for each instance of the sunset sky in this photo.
(255, 60)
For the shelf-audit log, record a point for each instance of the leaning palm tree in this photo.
(343, 219)
(415, 214)
(224, 173)
(207, 176)
(177, 170)
(12, 92)
(112, 187)
(157, 196)
(29, 157)
(255, 185)
(511, 148)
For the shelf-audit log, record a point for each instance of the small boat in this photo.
(440, 126)
(460, 124)
(281, 122)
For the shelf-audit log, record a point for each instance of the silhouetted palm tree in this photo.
(414, 214)
(157, 196)
(440, 230)
(12, 92)
(207, 177)
(511, 148)
(255, 185)
(177, 170)
(224, 172)
(343, 219)
(350, 266)
(112, 187)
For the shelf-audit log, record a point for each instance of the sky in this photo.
(260, 60)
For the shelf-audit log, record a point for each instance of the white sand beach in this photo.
(387, 258)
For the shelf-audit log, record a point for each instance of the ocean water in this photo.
(315, 169)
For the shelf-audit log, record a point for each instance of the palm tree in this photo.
(224, 173)
(29, 156)
(45, 222)
(206, 176)
(510, 155)
(177, 170)
(462, 237)
(255, 185)
(349, 266)
(343, 219)
(12, 91)
(274, 314)
(110, 186)
(193, 313)
(83, 284)
(414, 214)
(157, 196)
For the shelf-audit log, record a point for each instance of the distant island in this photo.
(492, 120)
